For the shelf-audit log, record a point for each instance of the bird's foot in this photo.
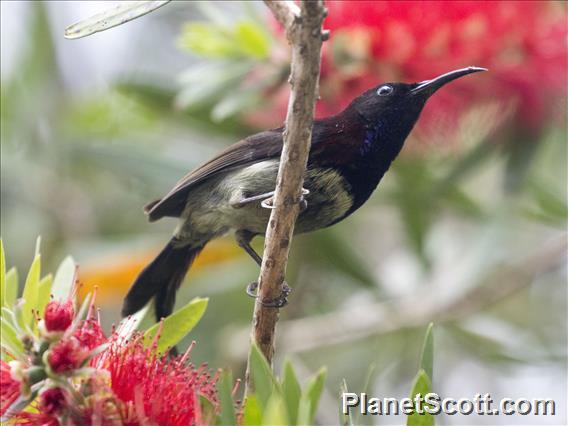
(279, 302)
(269, 202)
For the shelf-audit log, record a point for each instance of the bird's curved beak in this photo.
(428, 87)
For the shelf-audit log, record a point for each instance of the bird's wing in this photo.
(258, 147)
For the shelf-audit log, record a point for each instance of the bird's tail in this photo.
(161, 279)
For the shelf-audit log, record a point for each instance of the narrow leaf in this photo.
(252, 414)
(2, 275)
(311, 394)
(422, 386)
(11, 287)
(119, 15)
(291, 391)
(275, 412)
(427, 356)
(304, 410)
(64, 279)
(262, 376)
(44, 292)
(31, 290)
(10, 341)
(178, 324)
(224, 387)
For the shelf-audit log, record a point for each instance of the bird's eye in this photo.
(384, 90)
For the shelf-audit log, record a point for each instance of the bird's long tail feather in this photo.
(161, 279)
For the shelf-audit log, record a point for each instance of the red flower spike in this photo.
(131, 384)
(155, 388)
(58, 316)
(523, 44)
(9, 388)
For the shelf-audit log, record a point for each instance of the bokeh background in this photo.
(468, 228)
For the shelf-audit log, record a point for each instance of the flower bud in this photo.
(66, 356)
(58, 316)
(52, 401)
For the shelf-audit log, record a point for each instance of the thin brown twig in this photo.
(303, 30)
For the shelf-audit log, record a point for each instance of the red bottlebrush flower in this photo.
(128, 383)
(9, 388)
(90, 334)
(522, 43)
(58, 316)
(154, 388)
(52, 401)
(67, 355)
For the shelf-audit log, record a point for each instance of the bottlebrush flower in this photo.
(9, 387)
(522, 43)
(155, 388)
(125, 382)
(58, 316)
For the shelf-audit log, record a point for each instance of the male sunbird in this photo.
(349, 154)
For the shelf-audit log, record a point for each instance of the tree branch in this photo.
(303, 29)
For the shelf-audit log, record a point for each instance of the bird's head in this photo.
(398, 105)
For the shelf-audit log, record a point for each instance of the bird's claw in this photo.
(279, 302)
(269, 202)
(251, 289)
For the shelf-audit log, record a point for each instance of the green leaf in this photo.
(422, 386)
(245, 40)
(304, 410)
(310, 398)
(225, 387)
(262, 376)
(252, 415)
(222, 78)
(2, 275)
(64, 279)
(549, 206)
(111, 18)
(208, 411)
(427, 356)
(10, 341)
(252, 39)
(31, 290)
(177, 325)
(44, 292)
(234, 103)
(11, 287)
(291, 391)
(275, 412)
(160, 99)
(209, 40)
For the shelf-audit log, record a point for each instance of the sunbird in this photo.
(349, 154)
